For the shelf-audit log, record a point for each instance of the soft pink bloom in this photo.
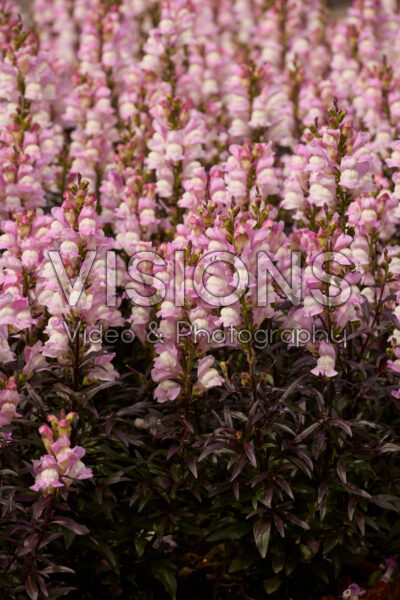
(207, 377)
(326, 361)
(47, 475)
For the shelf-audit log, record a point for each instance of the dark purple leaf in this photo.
(249, 449)
(71, 525)
(31, 588)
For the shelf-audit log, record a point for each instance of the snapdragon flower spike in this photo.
(164, 47)
(175, 359)
(124, 173)
(90, 107)
(258, 103)
(250, 172)
(58, 37)
(106, 52)
(176, 145)
(134, 217)
(24, 242)
(332, 169)
(62, 464)
(29, 142)
(74, 311)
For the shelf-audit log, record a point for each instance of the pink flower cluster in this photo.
(30, 142)
(33, 300)
(62, 464)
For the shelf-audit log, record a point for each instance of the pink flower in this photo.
(326, 361)
(9, 399)
(47, 475)
(207, 377)
(391, 565)
(62, 465)
(353, 592)
(34, 359)
(167, 390)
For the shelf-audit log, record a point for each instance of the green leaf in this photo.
(374, 577)
(290, 565)
(108, 553)
(164, 571)
(321, 574)
(140, 545)
(242, 562)
(69, 537)
(262, 532)
(144, 501)
(306, 553)
(235, 531)
(272, 585)
(278, 561)
(329, 543)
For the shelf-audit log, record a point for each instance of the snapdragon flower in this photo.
(62, 465)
